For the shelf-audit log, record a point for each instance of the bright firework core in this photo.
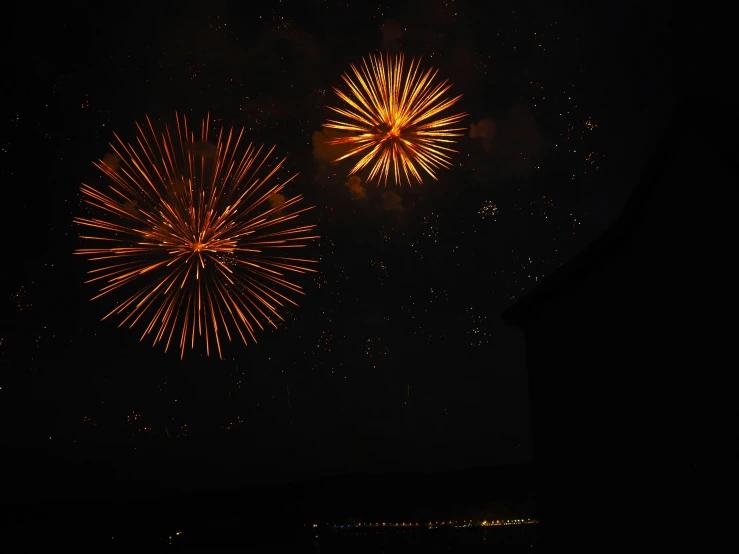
(193, 232)
(393, 117)
(391, 131)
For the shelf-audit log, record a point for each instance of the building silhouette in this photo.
(628, 350)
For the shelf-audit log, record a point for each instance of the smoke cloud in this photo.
(329, 152)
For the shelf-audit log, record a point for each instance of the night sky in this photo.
(397, 358)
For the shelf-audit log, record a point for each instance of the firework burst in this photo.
(197, 234)
(393, 116)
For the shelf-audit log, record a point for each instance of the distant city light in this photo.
(432, 524)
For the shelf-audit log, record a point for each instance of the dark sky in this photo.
(397, 359)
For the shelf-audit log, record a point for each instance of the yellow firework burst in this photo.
(196, 233)
(394, 118)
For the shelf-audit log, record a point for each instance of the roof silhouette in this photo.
(628, 346)
(686, 120)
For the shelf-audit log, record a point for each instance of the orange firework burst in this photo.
(191, 230)
(393, 114)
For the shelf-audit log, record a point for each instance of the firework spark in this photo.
(393, 115)
(193, 231)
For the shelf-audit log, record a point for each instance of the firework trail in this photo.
(192, 231)
(395, 117)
